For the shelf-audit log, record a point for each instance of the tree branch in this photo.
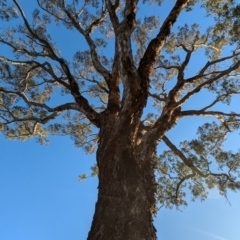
(177, 152)
(35, 119)
(112, 13)
(83, 104)
(86, 33)
(218, 99)
(189, 164)
(157, 97)
(189, 176)
(45, 66)
(207, 65)
(217, 114)
(211, 80)
(185, 63)
(86, 109)
(130, 10)
(73, 84)
(148, 60)
(43, 41)
(207, 113)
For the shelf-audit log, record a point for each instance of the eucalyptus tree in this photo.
(127, 58)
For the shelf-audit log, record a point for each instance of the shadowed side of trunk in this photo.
(123, 208)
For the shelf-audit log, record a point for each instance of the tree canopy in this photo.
(44, 92)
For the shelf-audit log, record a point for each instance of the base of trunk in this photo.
(117, 220)
(125, 198)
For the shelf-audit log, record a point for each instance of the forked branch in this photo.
(195, 170)
(148, 60)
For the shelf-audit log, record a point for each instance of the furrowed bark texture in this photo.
(125, 198)
(125, 158)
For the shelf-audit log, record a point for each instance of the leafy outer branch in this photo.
(111, 79)
(92, 115)
(172, 109)
(189, 164)
(147, 62)
(211, 80)
(60, 108)
(86, 33)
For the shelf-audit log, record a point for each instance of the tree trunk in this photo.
(126, 190)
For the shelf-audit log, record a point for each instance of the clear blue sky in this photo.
(41, 198)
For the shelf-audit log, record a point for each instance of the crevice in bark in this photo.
(126, 188)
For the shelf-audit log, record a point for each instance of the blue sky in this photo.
(42, 199)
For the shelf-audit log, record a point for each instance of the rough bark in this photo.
(126, 151)
(126, 198)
